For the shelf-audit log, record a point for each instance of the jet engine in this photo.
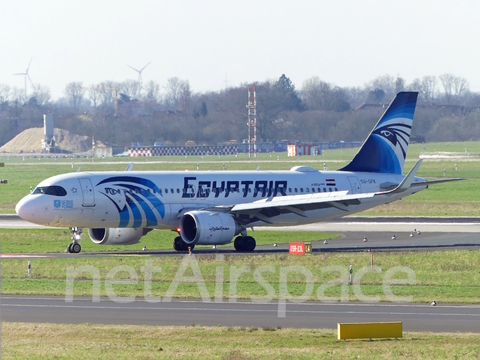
(117, 236)
(208, 227)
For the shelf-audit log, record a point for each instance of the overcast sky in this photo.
(348, 43)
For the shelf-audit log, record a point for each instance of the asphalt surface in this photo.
(415, 317)
(435, 234)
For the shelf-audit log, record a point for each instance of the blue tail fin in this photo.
(385, 149)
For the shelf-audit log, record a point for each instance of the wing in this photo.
(266, 209)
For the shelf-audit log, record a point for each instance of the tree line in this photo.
(121, 113)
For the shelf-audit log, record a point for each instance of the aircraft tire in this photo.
(69, 248)
(238, 243)
(179, 244)
(249, 243)
(76, 248)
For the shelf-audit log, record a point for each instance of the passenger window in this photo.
(166, 191)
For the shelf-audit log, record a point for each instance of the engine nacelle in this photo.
(208, 227)
(116, 236)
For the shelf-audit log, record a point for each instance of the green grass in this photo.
(447, 276)
(22, 241)
(448, 199)
(58, 341)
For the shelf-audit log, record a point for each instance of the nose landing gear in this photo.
(74, 247)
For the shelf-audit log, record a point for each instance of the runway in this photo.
(415, 317)
(436, 234)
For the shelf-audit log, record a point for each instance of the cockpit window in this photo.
(50, 190)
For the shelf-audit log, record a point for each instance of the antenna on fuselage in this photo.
(79, 168)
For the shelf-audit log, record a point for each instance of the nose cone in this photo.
(26, 209)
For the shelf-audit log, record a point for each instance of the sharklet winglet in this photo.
(407, 181)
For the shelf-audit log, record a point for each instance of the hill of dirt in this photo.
(30, 141)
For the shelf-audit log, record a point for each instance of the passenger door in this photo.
(355, 185)
(87, 191)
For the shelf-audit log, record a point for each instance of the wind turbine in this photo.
(25, 74)
(139, 72)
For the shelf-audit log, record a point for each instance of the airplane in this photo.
(214, 208)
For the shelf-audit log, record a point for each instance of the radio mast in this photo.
(252, 122)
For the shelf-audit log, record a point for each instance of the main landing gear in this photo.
(241, 244)
(244, 243)
(74, 247)
(180, 245)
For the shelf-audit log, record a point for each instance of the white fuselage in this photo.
(157, 200)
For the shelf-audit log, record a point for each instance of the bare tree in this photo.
(399, 84)
(74, 93)
(185, 95)
(178, 93)
(94, 95)
(319, 95)
(429, 87)
(173, 91)
(106, 91)
(454, 86)
(4, 93)
(152, 91)
(460, 86)
(41, 94)
(131, 88)
(17, 95)
(313, 90)
(448, 85)
(355, 96)
(386, 83)
(415, 85)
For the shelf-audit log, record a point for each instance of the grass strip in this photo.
(58, 341)
(447, 276)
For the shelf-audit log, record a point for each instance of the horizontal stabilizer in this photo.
(440, 181)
